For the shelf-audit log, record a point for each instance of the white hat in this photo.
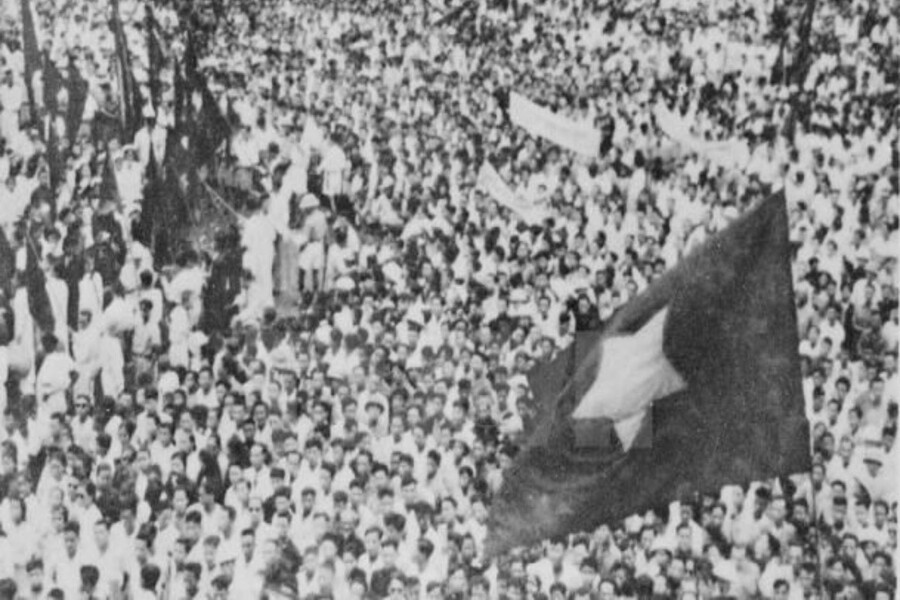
(282, 359)
(873, 455)
(870, 435)
(415, 316)
(726, 571)
(309, 201)
(393, 272)
(464, 437)
(518, 295)
(227, 553)
(344, 284)
(634, 523)
(518, 380)
(660, 543)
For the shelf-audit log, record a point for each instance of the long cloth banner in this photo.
(490, 181)
(729, 154)
(560, 130)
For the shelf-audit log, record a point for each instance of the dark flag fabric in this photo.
(7, 264)
(109, 187)
(31, 51)
(155, 57)
(143, 229)
(693, 385)
(55, 159)
(546, 379)
(52, 84)
(129, 94)
(155, 229)
(210, 128)
(78, 93)
(180, 100)
(36, 288)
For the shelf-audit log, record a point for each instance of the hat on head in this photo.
(463, 438)
(344, 284)
(873, 455)
(518, 295)
(725, 571)
(660, 544)
(309, 201)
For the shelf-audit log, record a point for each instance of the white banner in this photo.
(542, 122)
(729, 154)
(490, 181)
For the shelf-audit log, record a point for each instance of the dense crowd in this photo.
(322, 403)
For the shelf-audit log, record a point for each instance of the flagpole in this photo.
(221, 201)
(813, 506)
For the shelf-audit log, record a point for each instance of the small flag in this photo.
(109, 185)
(36, 288)
(210, 128)
(694, 384)
(180, 111)
(7, 264)
(129, 94)
(78, 93)
(32, 52)
(52, 84)
(156, 228)
(154, 56)
(56, 161)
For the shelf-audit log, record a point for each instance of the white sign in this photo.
(560, 130)
(490, 181)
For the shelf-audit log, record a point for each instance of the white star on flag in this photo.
(634, 372)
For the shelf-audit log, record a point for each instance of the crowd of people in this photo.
(322, 404)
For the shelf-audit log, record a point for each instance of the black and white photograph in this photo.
(449, 299)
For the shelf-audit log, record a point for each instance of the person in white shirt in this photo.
(90, 289)
(150, 139)
(58, 294)
(86, 352)
(333, 168)
(54, 378)
(258, 238)
(65, 570)
(112, 362)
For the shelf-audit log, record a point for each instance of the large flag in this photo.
(155, 57)
(560, 130)
(694, 384)
(32, 52)
(129, 94)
